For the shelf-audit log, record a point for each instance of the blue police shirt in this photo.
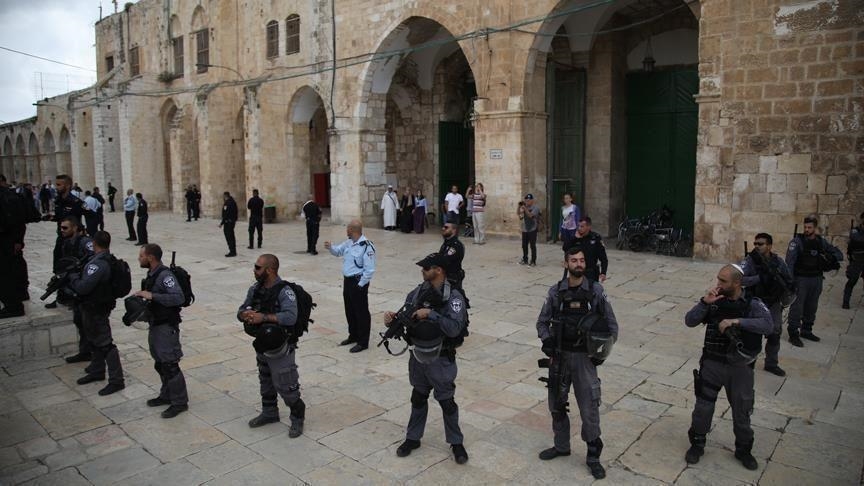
(358, 258)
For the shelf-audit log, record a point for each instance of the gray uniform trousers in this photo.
(772, 341)
(164, 341)
(97, 330)
(802, 314)
(438, 376)
(581, 374)
(738, 382)
(854, 271)
(278, 375)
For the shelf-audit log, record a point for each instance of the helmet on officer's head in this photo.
(737, 354)
(137, 309)
(272, 340)
(426, 341)
(599, 339)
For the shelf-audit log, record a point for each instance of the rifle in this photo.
(427, 297)
(558, 387)
(68, 265)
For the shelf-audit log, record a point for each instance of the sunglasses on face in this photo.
(426, 269)
(257, 267)
(758, 243)
(64, 227)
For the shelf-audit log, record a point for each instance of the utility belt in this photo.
(720, 358)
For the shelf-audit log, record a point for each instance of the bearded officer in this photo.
(454, 251)
(269, 314)
(162, 289)
(78, 246)
(432, 366)
(569, 302)
(733, 339)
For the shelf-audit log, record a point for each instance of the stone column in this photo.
(357, 179)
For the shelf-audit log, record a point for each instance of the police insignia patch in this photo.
(91, 269)
(288, 293)
(89, 245)
(456, 305)
(451, 251)
(169, 282)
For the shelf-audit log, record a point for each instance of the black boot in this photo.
(697, 447)
(298, 415)
(595, 447)
(742, 453)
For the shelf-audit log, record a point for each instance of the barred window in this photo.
(202, 43)
(292, 34)
(134, 62)
(272, 39)
(177, 45)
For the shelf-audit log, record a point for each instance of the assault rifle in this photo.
(557, 385)
(428, 298)
(68, 265)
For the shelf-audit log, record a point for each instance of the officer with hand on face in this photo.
(577, 327)
(436, 329)
(269, 314)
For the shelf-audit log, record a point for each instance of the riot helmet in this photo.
(271, 341)
(137, 309)
(598, 338)
(737, 354)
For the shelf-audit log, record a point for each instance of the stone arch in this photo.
(19, 171)
(308, 144)
(199, 19)
(33, 157)
(49, 156)
(8, 157)
(64, 152)
(180, 167)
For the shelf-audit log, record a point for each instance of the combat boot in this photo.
(795, 339)
(595, 447)
(697, 447)
(742, 453)
(262, 420)
(298, 415)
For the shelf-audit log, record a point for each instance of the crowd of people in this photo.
(576, 325)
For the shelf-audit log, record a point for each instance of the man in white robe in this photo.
(390, 206)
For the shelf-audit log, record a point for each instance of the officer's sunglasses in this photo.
(257, 267)
(758, 243)
(426, 269)
(64, 227)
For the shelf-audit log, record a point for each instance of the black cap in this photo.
(433, 260)
(529, 196)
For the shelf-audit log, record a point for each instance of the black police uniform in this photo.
(143, 216)
(855, 268)
(805, 257)
(720, 367)
(256, 218)
(100, 212)
(596, 261)
(561, 312)
(164, 334)
(277, 369)
(229, 219)
(196, 208)
(770, 281)
(112, 192)
(190, 203)
(65, 206)
(437, 374)
(79, 247)
(454, 251)
(312, 213)
(13, 284)
(92, 288)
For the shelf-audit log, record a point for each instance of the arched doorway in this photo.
(49, 157)
(426, 89)
(20, 161)
(180, 154)
(34, 175)
(309, 145)
(64, 153)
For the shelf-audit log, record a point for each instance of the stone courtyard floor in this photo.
(809, 426)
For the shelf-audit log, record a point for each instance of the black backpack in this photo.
(304, 311)
(121, 277)
(185, 281)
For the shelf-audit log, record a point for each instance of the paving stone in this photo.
(29, 380)
(261, 473)
(67, 419)
(298, 456)
(497, 460)
(67, 477)
(700, 477)
(640, 406)
(644, 457)
(65, 458)
(404, 468)
(9, 456)
(37, 447)
(179, 473)
(338, 414)
(618, 475)
(171, 439)
(826, 432)
(777, 474)
(18, 427)
(239, 430)
(220, 409)
(348, 472)
(619, 429)
(20, 473)
(365, 438)
(820, 457)
(104, 440)
(224, 458)
(448, 472)
(117, 466)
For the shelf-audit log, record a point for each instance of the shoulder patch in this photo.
(89, 245)
(169, 281)
(451, 251)
(287, 292)
(92, 268)
(456, 305)
(792, 245)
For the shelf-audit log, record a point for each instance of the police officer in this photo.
(312, 213)
(453, 251)
(163, 291)
(130, 204)
(733, 339)
(78, 246)
(855, 252)
(432, 365)
(190, 202)
(112, 192)
(766, 276)
(808, 256)
(255, 205)
(196, 208)
(558, 326)
(92, 288)
(143, 216)
(358, 266)
(13, 285)
(269, 313)
(229, 219)
(65, 205)
(591, 243)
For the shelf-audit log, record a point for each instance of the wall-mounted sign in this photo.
(496, 153)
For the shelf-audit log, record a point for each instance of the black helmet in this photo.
(271, 338)
(137, 309)
(598, 337)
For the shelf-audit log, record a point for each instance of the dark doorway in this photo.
(455, 155)
(565, 104)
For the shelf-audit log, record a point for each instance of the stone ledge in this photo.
(41, 332)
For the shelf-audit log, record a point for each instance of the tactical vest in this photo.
(573, 305)
(427, 332)
(716, 344)
(856, 245)
(808, 263)
(265, 301)
(161, 314)
(101, 297)
(769, 290)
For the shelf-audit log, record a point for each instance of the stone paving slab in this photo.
(809, 425)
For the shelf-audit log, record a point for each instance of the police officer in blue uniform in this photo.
(808, 257)
(358, 266)
(92, 288)
(855, 252)
(269, 314)
(162, 289)
(734, 328)
(437, 329)
(559, 328)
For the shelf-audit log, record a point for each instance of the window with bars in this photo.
(292, 34)
(202, 44)
(134, 62)
(272, 39)
(177, 45)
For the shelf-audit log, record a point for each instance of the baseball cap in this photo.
(529, 196)
(433, 260)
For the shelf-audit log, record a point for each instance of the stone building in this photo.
(742, 116)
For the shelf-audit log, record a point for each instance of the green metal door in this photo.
(454, 159)
(565, 104)
(662, 119)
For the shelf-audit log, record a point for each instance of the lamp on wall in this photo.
(648, 61)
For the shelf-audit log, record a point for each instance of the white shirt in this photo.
(453, 201)
(92, 203)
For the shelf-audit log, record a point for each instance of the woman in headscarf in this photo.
(419, 212)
